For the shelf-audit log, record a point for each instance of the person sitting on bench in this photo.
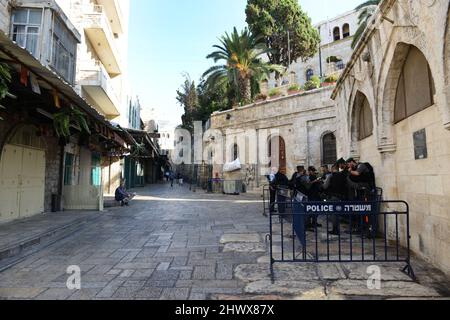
(122, 195)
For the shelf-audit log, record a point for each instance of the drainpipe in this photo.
(59, 206)
(109, 175)
(320, 56)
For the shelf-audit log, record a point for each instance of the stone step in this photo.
(18, 250)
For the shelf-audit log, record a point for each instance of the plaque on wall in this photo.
(420, 145)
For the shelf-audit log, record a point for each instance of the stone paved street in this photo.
(177, 244)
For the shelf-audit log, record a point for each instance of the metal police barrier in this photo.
(367, 232)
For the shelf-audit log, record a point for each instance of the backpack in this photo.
(370, 176)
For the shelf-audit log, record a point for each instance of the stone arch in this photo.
(336, 33)
(388, 96)
(346, 30)
(358, 100)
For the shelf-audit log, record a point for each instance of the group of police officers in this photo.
(346, 181)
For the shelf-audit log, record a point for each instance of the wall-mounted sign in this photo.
(420, 145)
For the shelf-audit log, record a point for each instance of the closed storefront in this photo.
(22, 176)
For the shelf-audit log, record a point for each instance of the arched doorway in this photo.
(346, 30)
(336, 34)
(329, 149)
(22, 175)
(277, 153)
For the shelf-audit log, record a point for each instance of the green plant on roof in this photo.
(332, 78)
(274, 92)
(294, 87)
(333, 59)
(312, 84)
(67, 117)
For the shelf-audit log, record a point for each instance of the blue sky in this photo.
(169, 37)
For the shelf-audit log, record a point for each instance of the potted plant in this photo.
(295, 88)
(312, 84)
(330, 80)
(274, 93)
(260, 97)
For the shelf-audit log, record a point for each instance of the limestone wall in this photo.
(374, 71)
(4, 16)
(301, 120)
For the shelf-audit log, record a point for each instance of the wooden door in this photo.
(277, 154)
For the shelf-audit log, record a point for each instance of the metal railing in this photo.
(363, 232)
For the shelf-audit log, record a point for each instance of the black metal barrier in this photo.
(362, 231)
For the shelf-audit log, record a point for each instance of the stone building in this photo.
(38, 170)
(102, 75)
(334, 52)
(302, 125)
(393, 111)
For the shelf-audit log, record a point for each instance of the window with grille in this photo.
(415, 90)
(26, 29)
(329, 152)
(63, 51)
(96, 170)
(69, 169)
(235, 152)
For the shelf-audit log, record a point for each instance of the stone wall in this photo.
(52, 170)
(4, 16)
(374, 71)
(301, 120)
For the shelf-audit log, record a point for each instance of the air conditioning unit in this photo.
(232, 187)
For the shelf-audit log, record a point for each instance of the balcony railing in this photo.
(114, 13)
(96, 81)
(101, 36)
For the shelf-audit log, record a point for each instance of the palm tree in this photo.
(368, 9)
(243, 66)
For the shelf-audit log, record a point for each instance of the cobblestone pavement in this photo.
(177, 244)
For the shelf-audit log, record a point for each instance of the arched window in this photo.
(329, 149)
(309, 74)
(364, 118)
(415, 90)
(336, 34)
(346, 31)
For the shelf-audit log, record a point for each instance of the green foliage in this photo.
(242, 67)
(187, 97)
(67, 117)
(5, 79)
(332, 78)
(212, 98)
(333, 59)
(367, 8)
(272, 19)
(312, 84)
(274, 92)
(294, 87)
